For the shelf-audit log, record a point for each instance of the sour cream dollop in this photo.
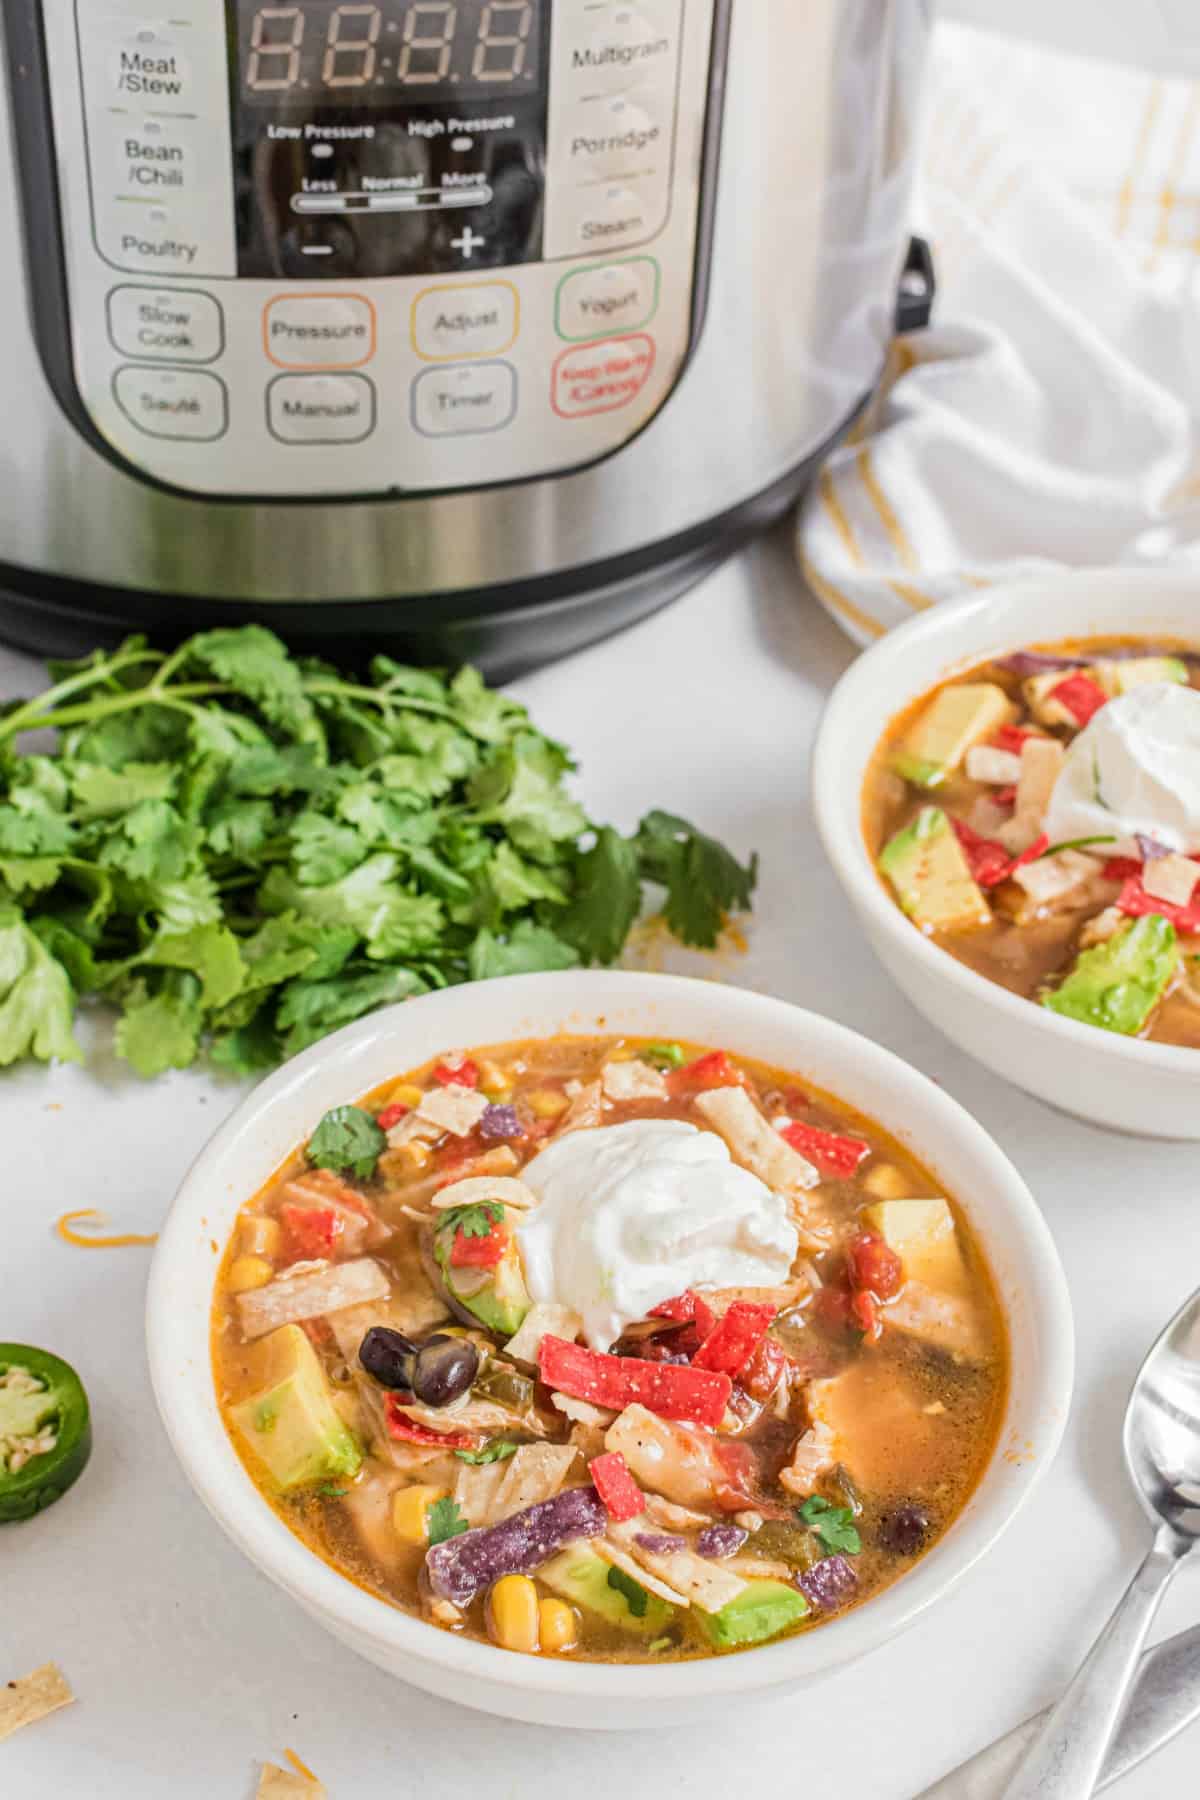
(630, 1215)
(1134, 769)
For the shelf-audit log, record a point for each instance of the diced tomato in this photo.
(765, 1370)
(834, 1156)
(391, 1115)
(407, 1431)
(733, 1342)
(623, 1498)
(1038, 848)
(479, 1252)
(1005, 796)
(1012, 738)
(671, 1391)
(309, 1231)
(1081, 696)
(687, 1307)
(463, 1074)
(874, 1266)
(1136, 902)
(710, 1071)
(1122, 868)
(988, 861)
(865, 1314)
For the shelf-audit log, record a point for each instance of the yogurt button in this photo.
(607, 298)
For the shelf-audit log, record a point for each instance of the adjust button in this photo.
(175, 324)
(319, 331)
(321, 409)
(477, 318)
(607, 297)
(465, 400)
(173, 403)
(600, 378)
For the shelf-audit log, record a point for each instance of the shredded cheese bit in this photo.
(301, 1768)
(94, 1240)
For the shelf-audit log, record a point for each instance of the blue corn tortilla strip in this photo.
(463, 1567)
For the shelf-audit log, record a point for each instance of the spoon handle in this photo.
(1065, 1759)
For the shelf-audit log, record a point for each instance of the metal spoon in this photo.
(1162, 1452)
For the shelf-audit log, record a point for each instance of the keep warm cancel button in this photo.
(599, 378)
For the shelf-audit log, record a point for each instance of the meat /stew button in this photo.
(602, 377)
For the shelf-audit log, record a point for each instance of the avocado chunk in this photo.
(762, 1611)
(1118, 984)
(953, 721)
(1122, 674)
(290, 1424)
(497, 1297)
(927, 867)
(582, 1577)
(923, 1235)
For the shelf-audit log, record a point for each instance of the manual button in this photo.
(173, 403)
(321, 409)
(172, 324)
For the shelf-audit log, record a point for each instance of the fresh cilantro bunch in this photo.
(243, 850)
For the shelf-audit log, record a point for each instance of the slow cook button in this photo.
(607, 297)
(173, 403)
(465, 400)
(599, 378)
(321, 409)
(319, 331)
(477, 318)
(176, 324)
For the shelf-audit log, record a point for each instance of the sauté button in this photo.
(474, 318)
(321, 409)
(172, 324)
(599, 378)
(465, 400)
(173, 403)
(319, 331)
(607, 297)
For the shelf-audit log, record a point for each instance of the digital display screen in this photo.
(380, 51)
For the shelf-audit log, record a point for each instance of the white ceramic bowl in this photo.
(1150, 1089)
(284, 1109)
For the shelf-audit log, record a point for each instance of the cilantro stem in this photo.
(92, 710)
(345, 690)
(72, 684)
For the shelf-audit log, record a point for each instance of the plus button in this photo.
(468, 243)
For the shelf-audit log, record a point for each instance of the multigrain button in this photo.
(475, 318)
(173, 403)
(319, 331)
(321, 409)
(600, 378)
(171, 324)
(465, 400)
(607, 297)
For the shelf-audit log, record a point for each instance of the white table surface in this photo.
(189, 1666)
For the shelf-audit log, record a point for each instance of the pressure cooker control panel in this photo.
(379, 246)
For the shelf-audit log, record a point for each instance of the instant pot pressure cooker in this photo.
(468, 327)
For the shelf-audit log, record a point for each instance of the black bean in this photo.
(388, 1356)
(904, 1530)
(443, 1370)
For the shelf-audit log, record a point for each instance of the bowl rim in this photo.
(217, 1475)
(839, 813)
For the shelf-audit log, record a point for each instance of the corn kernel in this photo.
(260, 1235)
(887, 1182)
(410, 1512)
(556, 1626)
(493, 1080)
(402, 1159)
(547, 1103)
(405, 1093)
(500, 1161)
(249, 1272)
(622, 1053)
(513, 1614)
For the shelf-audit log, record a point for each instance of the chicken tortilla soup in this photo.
(606, 1349)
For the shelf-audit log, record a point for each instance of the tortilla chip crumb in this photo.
(26, 1701)
(301, 1768)
(281, 1784)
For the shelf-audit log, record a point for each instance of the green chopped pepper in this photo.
(45, 1430)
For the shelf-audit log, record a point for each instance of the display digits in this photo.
(503, 40)
(428, 42)
(276, 40)
(350, 53)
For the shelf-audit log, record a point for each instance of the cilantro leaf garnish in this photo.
(834, 1525)
(473, 1221)
(636, 1597)
(499, 1450)
(444, 1521)
(347, 1138)
(704, 882)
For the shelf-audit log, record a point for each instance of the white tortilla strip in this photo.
(309, 1296)
(536, 1473)
(706, 1584)
(477, 1188)
(455, 1109)
(585, 1110)
(475, 1490)
(582, 1412)
(633, 1080)
(675, 1518)
(754, 1143)
(284, 1784)
(546, 1319)
(621, 1559)
(33, 1697)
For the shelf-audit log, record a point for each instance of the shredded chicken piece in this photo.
(763, 1568)
(1105, 925)
(444, 1612)
(309, 1296)
(634, 1080)
(707, 1585)
(1052, 878)
(677, 1518)
(585, 1111)
(749, 1521)
(468, 1414)
(582, 1411)
(938, 1318)
(815, 1454)
(669, 1458)
(477, 1188)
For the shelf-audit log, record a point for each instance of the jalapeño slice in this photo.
(45, 1430)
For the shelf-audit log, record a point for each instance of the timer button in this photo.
(466, 400)
(608, 297)
(173, 403)
(474, 318)
(321, 409)
(175, 324)
(319, 331)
